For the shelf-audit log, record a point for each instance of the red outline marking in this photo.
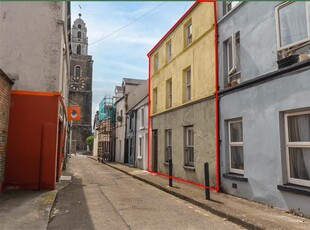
(149, 119)
(216, 98)
(217, 181)
(35, 93)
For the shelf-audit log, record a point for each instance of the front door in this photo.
(154, 150)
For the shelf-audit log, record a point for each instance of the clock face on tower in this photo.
(77, 83)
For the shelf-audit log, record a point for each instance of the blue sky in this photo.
(124, 53)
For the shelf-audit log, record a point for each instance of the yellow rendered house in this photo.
(182, 88)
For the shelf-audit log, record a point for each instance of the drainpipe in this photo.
(70, 138)
(135, 137)
(149, 117)
(217, 115)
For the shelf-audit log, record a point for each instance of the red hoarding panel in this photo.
(28, 162)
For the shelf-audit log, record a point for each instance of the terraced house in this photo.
(264, 69)
(182, 96)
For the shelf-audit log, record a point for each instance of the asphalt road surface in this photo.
(100, 197)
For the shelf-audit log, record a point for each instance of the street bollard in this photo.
(207, 183)
(170, 172)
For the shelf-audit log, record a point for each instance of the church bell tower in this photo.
(80, 85)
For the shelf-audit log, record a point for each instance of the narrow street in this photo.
(100, 197)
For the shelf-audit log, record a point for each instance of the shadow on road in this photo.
(71, 210)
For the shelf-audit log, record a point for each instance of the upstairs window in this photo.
(142, 117)
(229, 5)
(156, 63)
(79, 34)
(232, 57)
(297, 141)
(187, 84)
(79, 26)
(169, 93)
(169, 51)
(131, 117)
(155, 100)
(188, 33)
(292, 24)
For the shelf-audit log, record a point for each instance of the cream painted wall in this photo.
(39, 31)
(199, 55)
(120, 131)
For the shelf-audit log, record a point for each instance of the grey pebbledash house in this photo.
(264, 99)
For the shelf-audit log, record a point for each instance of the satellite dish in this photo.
(119, 118)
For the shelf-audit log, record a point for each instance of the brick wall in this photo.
(5, 85)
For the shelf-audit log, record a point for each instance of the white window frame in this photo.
(141, 145)
(169, 93)
(168, 144)
(289, 144)
(232, 5)
(277, 14)
(169, 50)
(235, 144)
(232, 40)
(187, 145)
(188, 33)
(142, 117)
(188, 85)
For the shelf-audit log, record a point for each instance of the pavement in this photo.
(248, 214)
(25, 209)
(29, 209)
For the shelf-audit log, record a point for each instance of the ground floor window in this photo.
(168, 149)
(297, 141)
(140, 152)
(189, 146)
(236, 160)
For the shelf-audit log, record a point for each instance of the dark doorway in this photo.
(126, 151)
(154, 150)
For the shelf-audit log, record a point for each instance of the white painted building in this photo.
(120, 125)
(142, 134)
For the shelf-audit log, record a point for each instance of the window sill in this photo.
(138, 157)
(298, 189)
(166, 163)
(141, 128)
(190, 168)
(235, 176)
